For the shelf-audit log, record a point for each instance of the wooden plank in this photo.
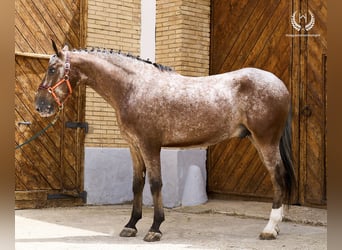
(69, 202)
(295, 88)
(30, 199)
(228, 28)
(254, 36)
(313, 96)
(50, 23)
(238, 164)
(252, 177)
(19, 37)
(31, 195)
(253, 24)
(36, 24)
(258, 178)
(27, 37)
(70, 12)
(271, 48)
(50, 14)
(32, 55)
(29, 177)
(47, 165)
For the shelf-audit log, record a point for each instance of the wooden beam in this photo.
(32, 55)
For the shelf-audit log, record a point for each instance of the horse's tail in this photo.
(286, 156)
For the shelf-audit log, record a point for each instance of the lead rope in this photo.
(41, 131)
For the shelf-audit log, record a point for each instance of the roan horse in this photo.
(157, 107)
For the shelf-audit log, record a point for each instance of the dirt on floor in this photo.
(214, 225)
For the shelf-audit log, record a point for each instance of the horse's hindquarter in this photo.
(266, 103)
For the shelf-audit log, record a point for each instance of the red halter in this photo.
(64, 80)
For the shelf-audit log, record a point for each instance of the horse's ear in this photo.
(54, 46)
(66, 47)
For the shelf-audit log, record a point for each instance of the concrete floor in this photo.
(214, 225)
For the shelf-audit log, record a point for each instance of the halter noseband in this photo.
(65, 79)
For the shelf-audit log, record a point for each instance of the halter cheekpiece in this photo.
(65, 80)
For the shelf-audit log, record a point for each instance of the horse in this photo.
(157, 107)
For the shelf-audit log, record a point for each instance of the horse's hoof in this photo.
(128, 232)
(268, 236)
(153, 236)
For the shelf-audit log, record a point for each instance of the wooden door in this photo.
(259, 34)
(309, 98)
(48, 170)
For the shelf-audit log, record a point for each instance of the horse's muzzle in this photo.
(45, 109)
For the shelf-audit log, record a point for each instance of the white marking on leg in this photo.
(272, 226)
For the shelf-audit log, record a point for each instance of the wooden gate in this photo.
(48, 170)
(259, 34)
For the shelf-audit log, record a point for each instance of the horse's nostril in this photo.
(38, 109)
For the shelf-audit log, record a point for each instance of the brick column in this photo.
(111, 24)
(183, 35)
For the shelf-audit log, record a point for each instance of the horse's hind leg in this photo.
(139, 172)
(271, 157)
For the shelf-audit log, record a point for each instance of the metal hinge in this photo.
(77, 125)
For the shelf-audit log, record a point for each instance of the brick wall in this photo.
(183, 35)
(111, 24)
(182, 42)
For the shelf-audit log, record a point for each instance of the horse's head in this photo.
(55, 87)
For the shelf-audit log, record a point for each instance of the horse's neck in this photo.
(109, 77)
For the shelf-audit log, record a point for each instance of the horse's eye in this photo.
(52, 71)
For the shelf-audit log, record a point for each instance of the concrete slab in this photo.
(214, 225)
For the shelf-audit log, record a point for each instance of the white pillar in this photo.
(148, 29)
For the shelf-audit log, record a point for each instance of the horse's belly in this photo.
(189, 136)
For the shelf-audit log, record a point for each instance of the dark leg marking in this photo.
(154, 233)
(139, 173)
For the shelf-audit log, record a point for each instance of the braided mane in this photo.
(111, 52)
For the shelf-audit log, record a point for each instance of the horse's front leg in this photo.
(152, 160)
(154, 233)
(139, 172)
